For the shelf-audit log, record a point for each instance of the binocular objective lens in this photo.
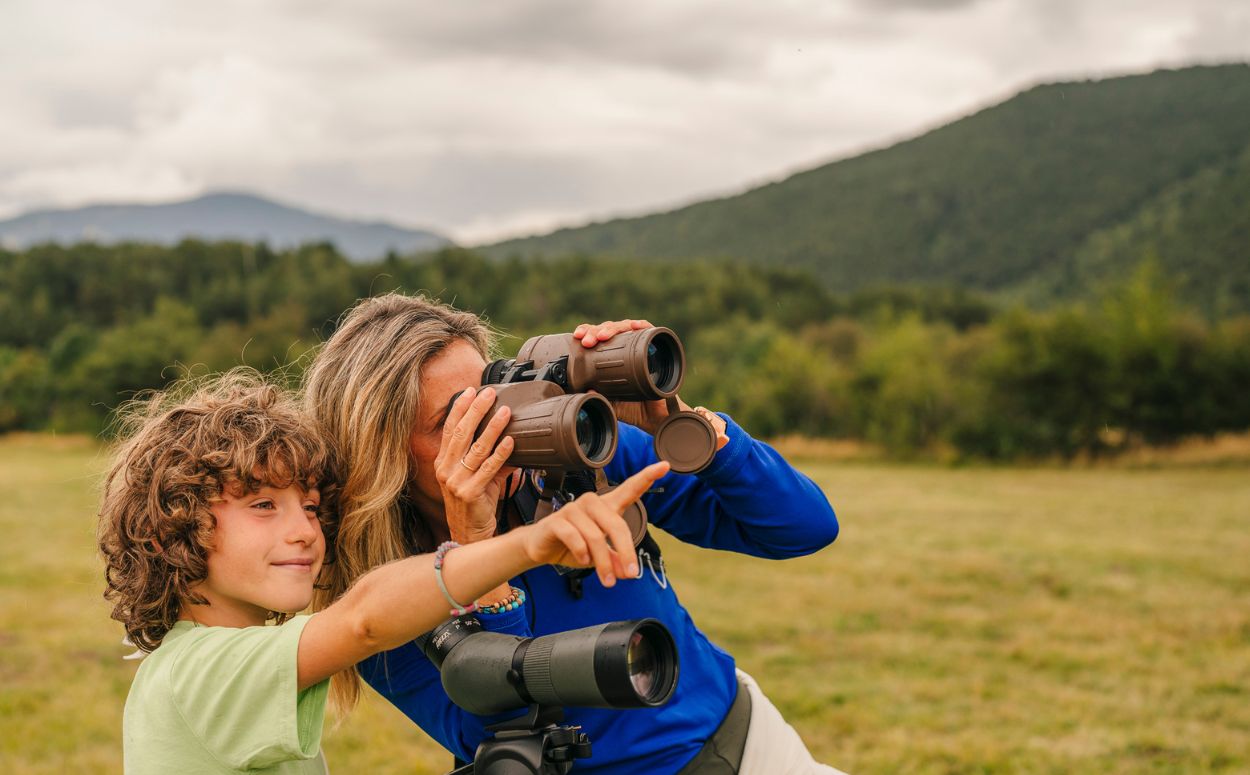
(654, 367)
(591, 433)
(663, 363)
(643, 665)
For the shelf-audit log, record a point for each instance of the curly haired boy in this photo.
(211, 527)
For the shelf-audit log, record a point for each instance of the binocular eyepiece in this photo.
(557, 425)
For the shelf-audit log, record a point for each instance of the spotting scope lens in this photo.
(642, 664)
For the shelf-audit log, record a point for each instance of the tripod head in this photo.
(534, 744)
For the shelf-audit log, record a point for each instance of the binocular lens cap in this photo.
(635, 516)
(687, 441)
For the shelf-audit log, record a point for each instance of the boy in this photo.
(211, 526)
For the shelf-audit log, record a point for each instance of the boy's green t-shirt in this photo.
(224, 700)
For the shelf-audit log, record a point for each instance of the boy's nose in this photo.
(301, 529)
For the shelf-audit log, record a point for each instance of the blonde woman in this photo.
(413, 477)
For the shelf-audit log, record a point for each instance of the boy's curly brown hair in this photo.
(176, 452)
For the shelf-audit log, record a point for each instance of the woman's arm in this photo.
(395, 603)
(749, 499)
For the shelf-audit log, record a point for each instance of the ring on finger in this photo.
(466, 465)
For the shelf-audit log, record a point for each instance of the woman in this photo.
(414, 477)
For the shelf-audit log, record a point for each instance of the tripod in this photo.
(535, 744)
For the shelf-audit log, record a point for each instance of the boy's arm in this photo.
(395, 603)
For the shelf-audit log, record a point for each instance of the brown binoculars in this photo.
(557, 425)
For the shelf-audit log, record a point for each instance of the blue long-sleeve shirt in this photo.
(748, 500)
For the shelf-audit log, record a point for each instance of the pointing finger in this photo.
(635, 486)
(621, 540)
(596, 542)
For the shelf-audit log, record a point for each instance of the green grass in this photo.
(966, 621)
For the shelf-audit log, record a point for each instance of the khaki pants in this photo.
(772, 746)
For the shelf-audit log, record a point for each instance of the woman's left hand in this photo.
(643, 414)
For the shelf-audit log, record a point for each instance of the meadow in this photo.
(968, 620)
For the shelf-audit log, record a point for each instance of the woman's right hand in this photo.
(583, 534)
(468, 470)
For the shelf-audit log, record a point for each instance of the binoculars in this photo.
(557, 426)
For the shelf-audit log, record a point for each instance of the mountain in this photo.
(217, 216)
(1045, 194)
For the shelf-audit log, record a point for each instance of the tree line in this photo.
(83, 328)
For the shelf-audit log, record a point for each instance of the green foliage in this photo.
(133, 357)
(1046, 383)
(1134, 369)
(24, 381)
(770, 381)
(915, 370)
(1196, 230)
(904, 388)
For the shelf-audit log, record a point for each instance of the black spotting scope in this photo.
(628, 664)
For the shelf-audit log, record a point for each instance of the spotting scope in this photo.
(628, 664)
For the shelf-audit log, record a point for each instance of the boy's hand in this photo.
(583, 533)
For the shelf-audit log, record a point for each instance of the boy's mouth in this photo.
(297, 564)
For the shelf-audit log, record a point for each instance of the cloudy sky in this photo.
(483, 120)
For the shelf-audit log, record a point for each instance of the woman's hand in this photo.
(590, 532)
(643, 414)
(468, 470)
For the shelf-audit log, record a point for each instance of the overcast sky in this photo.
(483, 120)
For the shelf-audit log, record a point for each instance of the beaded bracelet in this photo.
(509, 603)
(456, 608)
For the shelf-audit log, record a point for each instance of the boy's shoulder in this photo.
(220, 699)
(190, 649)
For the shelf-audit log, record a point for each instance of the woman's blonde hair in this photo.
(177, 450)
(363, 389)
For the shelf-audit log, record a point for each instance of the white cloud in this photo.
(231, 113)
(487, 120)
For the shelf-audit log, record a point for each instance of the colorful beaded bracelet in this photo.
(456, 608)
(509, 603)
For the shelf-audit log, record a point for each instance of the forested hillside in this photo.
(1198, 228)
(1043, 196)
(84, 328)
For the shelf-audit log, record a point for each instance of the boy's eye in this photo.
(265, 504)
(311, 508)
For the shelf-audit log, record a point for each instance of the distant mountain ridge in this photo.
(1042, 196)
(222, 215)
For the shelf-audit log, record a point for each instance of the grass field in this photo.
(966, 621)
